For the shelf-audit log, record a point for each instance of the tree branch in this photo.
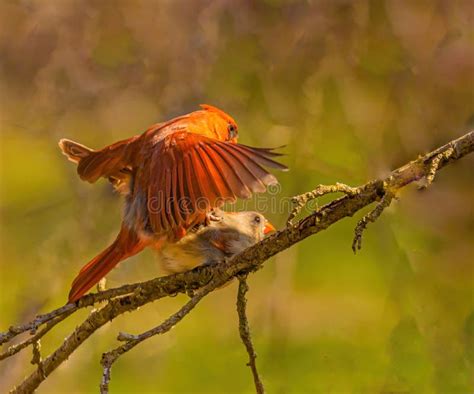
(66, 310)
(130, 297)
(14, 349)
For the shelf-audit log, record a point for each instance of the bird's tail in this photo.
(125, 245)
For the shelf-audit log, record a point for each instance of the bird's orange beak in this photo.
(268, 228)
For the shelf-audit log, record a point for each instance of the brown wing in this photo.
(107, 161)
(189, 174)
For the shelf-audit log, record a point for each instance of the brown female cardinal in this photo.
(172, 176)
(226, 234)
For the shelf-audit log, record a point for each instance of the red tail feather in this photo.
(125, 245)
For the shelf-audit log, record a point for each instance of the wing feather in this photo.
(239, 187)
(220, 183)
(211, 176)
(169, 214)
(192, 194)
(248, 167)
(260, 156)
(248, 160)
(269, 152)
(176, 193)
(198, 182)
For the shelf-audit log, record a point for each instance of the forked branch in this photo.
(109, 358)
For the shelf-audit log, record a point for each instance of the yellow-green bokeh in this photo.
(352, 88)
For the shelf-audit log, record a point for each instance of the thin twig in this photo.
(244, 331)
(301, 200)
(371, 217)
(36, 353)
(14, 349)
(37, 359)
(33, 325)
(434, 165)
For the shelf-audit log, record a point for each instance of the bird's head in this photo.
(222, 125)
(251, 223)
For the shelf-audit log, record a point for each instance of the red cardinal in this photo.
(172, 175)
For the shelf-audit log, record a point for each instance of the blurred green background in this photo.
(352, 88)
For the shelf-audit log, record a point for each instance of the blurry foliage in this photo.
(352, 88)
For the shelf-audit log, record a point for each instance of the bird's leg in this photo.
(301, 200)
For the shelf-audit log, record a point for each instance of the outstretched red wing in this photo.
(189, 174)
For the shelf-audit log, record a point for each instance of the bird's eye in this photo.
(232, 129)
(257, 219)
